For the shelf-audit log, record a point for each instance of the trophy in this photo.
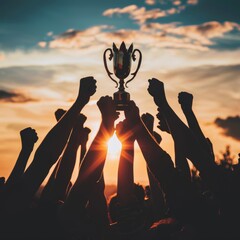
(122, 59)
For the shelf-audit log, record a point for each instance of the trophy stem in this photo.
(121, 85)
(121, 98)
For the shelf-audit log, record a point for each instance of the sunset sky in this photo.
(47, 46)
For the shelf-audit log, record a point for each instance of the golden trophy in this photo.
(122, 61)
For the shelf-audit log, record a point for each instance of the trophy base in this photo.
(121, 99)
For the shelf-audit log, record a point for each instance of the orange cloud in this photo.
(128, 9)
(144, 36)
(141, 15)
(2, 56)
(42, 44)
(77, 38)
(192, 2)
(177, 2)
(202, 33)
(150, 2)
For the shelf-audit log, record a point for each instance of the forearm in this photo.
(47, 191)
(186, 141)
(89, 174)
(20, 166)
(92, 165)
(51, 148)
(65, 170)
(57, 137)
(158, 161)
(194, 125)
(181, 163)
(125, 186)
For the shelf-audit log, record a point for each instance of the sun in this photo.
(114, 148)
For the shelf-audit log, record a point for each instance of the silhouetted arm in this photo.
(180, 158)
(47, 192)
(185, 100)
(53, 144)
(125, 184)
(180, 132)
(84, 140)
(182, 200)
(181, 162)
(92, 165)
(66, 166)
(158, 161)
(157, 198)
(28, 138)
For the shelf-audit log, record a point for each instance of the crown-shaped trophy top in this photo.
(123, 48)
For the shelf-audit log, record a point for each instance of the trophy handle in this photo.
(105, 64)
(139, 64)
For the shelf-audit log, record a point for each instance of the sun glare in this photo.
(114, 148)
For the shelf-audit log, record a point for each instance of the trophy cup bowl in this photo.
(122, 60)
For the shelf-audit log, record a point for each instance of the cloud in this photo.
(150, 2)
(140, 14)
(206, 31)
(201, 33)
(192, 2)
(150, 34)
(42, 44)
(14, 97)
(99, 37)
(2, 56)
(177, 2)
(127, 9)
(230, 126)
(78, 38)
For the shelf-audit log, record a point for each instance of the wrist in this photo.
(27, 149)
(82, 100)
(187, 110)
(107, 129)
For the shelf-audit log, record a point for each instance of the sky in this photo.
(47, 46)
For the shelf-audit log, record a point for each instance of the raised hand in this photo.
(87, 89)
(124, 132)
(157, 137)
(28, 138)
(92, 165)
(51, 148)
(132, 113)
(78, 128)
(156, 89)
(148, 120)
(108, 111)
(85, 135)
(162, 124)
(59, 113)
(185, 99)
